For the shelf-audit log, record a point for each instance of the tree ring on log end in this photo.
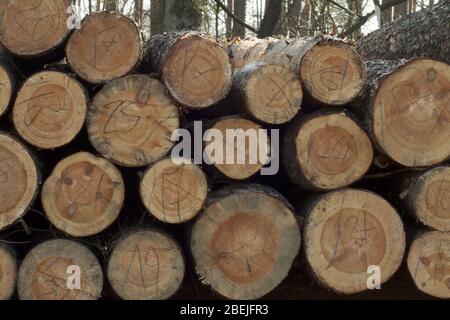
(347, 232)
(18, 180)
(234, 169)
(333, 151)
(333, 73)
(31, 28)
(108, 46)
(430, 198)
(6, 89)
(411, 113)
(174, 193)
(50, 109)
(131, 121)
(146, 265)
(273, 94)
(197, 72)
(43, 274)
(8, 273)
(244, 244)
(84, 195)
(428, 263)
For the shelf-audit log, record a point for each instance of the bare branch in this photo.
(228, 12)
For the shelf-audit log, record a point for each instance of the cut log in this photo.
(420, 34)
(428, 263)
(245, 242)
(131, 121)
(18, 180)
(172, 192)
(429, 198)
(31, 29)
(347, 232)
(84, 195)
(331, 71)
(407, 110)
(146, 265)
(235, 153)
(50, 272)
(195, 68)
(8, 84)
(108, 46)
(269, 93)
(50, 109)
(8, 272)
(326, 151)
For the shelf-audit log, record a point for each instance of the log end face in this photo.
(347, 232)
(411, 115)
(8, 273)
(131, 121)
(146, 265)
(108, 46)
(430, 198)
(428, 263)
(197, 72)
(174, 193)
(333, 73)
(244, 244)
(273, 94)
(6, 90)
(18, 180)
(332, 151)
(29, 28)
(43, 274)
(238, 161)
(50, 109)
(84, 195)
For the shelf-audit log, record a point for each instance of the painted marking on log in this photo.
(352, 240)
(33, 25)
(245, 247)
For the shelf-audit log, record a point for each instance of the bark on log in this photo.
(331, 71)
(131, 121)
(173, 192)
(19, 180)
(8, 84)
(421, 34)
(245, 241)
(269, 93)
(8, 272)
(32, 29)
(406, 110)
(347, 231)
(146, 265)
(428, 198)
(84, 195)
(236, 153)
(45, 274)
(108, 46)
(195, 68)
(428, 263)
(326, 150)
(50, 109)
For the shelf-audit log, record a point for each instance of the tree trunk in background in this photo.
(294, 18)
(420, 34)
(386, 16)
(229, 20)
(400, 10)
(110, 5)
(156, 16)
(271, 18)
(240, 8)
(305, 19)
(182, 15)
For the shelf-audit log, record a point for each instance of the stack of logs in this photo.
(91, 136)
